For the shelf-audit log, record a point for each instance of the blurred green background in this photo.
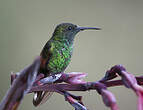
(26, 25)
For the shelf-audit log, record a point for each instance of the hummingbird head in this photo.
(67, 31)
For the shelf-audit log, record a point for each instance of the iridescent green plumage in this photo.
(58, 50)
(58, 57)
(56, 54)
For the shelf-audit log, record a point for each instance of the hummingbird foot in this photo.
(50, 79)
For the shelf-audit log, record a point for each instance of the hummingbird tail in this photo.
(41, 97)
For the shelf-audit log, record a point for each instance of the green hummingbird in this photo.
(57, 52)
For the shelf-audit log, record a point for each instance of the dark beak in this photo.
(88, 28)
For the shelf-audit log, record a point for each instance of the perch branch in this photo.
(20, 86)
(27, 81)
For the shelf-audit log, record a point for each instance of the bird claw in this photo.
(50, 79)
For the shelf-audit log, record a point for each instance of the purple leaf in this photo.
(109, 99)
(76, 77)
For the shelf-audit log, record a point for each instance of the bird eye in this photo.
(69, 28)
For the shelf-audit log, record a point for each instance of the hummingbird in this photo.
(56, 54)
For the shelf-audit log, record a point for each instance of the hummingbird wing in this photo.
(41, 97)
